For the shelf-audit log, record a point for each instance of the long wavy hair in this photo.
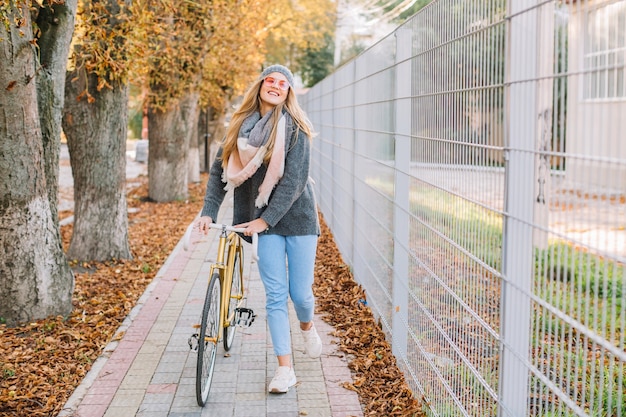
(252, 103)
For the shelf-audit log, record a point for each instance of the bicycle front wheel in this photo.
(233, 301)
(207, 340)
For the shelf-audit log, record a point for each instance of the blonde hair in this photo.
(252, 103)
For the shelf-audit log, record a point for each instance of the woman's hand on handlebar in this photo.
(255, 226)
(203, 224)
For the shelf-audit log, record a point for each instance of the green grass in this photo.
(599, 387)
(582, 285)
(471, 226)
(590, 289)
(590, 274)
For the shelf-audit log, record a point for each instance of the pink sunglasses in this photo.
(274, 82)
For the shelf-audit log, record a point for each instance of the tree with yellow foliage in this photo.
(207, 54)
(284, 31)
(236, 55)
(297, 26)
(191, 50)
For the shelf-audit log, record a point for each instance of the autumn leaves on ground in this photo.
(42, 362)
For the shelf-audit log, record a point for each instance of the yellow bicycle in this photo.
(223, 309)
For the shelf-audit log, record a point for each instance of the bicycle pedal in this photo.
(193, 341)
(244, 317)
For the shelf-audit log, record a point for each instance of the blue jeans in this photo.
(286, 265)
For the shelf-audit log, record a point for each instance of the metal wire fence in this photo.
(472, 168)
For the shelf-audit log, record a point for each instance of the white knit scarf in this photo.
(250, 152)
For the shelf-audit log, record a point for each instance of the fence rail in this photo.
(472, 168)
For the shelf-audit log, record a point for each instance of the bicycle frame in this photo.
(226, 271)
(225, 267)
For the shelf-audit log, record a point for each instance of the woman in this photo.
(265, 160)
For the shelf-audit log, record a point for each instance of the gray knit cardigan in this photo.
(291, 210)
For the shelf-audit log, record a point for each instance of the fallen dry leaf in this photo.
(380, 384)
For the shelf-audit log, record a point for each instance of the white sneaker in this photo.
(284, 378)
(312, 342)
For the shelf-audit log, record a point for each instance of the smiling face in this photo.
(271, 94)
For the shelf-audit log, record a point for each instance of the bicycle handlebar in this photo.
(225, 227)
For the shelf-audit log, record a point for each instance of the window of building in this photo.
(605, 52)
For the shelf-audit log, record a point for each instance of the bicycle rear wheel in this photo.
(207, 340)
(233, 301)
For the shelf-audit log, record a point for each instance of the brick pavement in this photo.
(149, 369)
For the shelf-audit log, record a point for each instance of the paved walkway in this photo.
(149, 369)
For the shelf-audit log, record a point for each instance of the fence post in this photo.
(402, 101)
(544, 113)
(517, 263)
(354, 237)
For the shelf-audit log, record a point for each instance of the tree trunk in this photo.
(35, 278)
(203, 140)
(193, 157)
(170, 132)
(211, 132)
(57, 26)
(217, 130)
(193, 154)
(96, 138)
